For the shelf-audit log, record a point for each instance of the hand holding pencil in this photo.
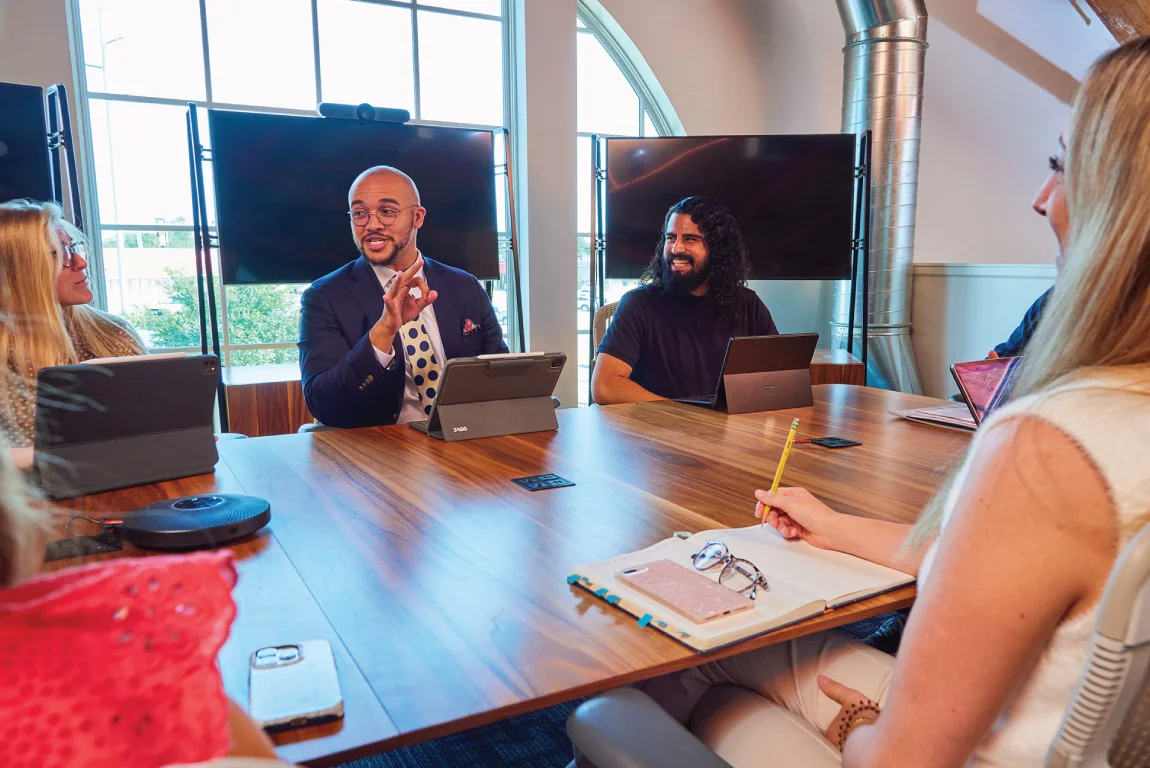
(782, 466)
(794, 512)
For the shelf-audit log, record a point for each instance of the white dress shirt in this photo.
(411, 410)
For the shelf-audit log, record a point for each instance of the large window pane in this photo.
(150, 278)
(263, 314)
(583, 185)
(352, 71)
(583, 273)
(613, 290)
(455, 86)
(489, 7)
(607, 103)
(261, 52)
(141, 154)
(143, 47)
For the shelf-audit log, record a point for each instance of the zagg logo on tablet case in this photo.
(459, 429)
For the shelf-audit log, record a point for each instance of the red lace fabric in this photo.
(114, 664)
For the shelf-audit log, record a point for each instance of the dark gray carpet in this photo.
(534, 740)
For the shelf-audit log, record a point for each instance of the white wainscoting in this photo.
(961, 311)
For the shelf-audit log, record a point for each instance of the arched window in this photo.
(144, 60)
(611, 102)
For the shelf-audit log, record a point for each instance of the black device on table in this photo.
(492, 395)
(124, 422)
(763, 373)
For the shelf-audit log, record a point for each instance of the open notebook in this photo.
(804, 581)
(957, 416)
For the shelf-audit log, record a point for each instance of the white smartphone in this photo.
(292, 686)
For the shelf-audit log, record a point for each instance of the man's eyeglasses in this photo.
(72, 251)
(386, 215)
(737, 574)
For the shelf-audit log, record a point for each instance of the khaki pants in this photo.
(764, 708)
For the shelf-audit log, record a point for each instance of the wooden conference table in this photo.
(442, 585)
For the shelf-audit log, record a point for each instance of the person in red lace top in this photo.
(114, 663)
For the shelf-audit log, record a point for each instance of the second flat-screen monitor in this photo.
(281, 187)
(793, 197)
(23, 144)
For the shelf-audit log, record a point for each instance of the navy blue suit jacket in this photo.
(343, 382)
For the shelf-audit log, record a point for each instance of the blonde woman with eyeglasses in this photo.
(1013, 555)
(45, 319)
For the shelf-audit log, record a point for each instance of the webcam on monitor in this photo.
(364, 113)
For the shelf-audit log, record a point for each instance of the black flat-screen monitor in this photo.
(793, 197)
(281, 187)
(23, 144)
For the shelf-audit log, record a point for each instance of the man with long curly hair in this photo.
(668, 337)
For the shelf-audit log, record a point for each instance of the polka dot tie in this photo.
(421, 357)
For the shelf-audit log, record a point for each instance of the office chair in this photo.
(603, 317)
(1107, 724)
(315, 426)
(599, 325)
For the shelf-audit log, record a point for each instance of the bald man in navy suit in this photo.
(375, 333)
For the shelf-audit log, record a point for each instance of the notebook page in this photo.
(830, 576)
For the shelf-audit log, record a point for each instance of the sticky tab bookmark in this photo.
(573, 578)
(600, 592)
(645, 620)
(612, 599)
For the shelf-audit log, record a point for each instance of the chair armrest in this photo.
(315, 427)
(627, 729)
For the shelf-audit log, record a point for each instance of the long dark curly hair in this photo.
(729, 264)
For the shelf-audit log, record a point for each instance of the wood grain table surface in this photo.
(442, 585)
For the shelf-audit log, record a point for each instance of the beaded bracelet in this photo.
(857, 714)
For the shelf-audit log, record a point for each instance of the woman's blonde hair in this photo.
(34, 328)
(1099, 312)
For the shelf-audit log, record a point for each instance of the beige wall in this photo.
(962, 311)
(34, 42)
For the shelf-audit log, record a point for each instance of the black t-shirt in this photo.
(675, 344)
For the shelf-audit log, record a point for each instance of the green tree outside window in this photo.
(257, 314)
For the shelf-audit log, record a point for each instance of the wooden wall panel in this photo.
(835, 366)
(265, 400)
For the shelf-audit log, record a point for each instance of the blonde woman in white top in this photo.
(1013, 556)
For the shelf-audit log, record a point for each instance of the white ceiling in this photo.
(1053, 29)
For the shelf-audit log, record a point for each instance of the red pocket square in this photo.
(470, 327)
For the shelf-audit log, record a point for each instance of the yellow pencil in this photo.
(782, 464)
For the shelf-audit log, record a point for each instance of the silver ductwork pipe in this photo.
(883, 68)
